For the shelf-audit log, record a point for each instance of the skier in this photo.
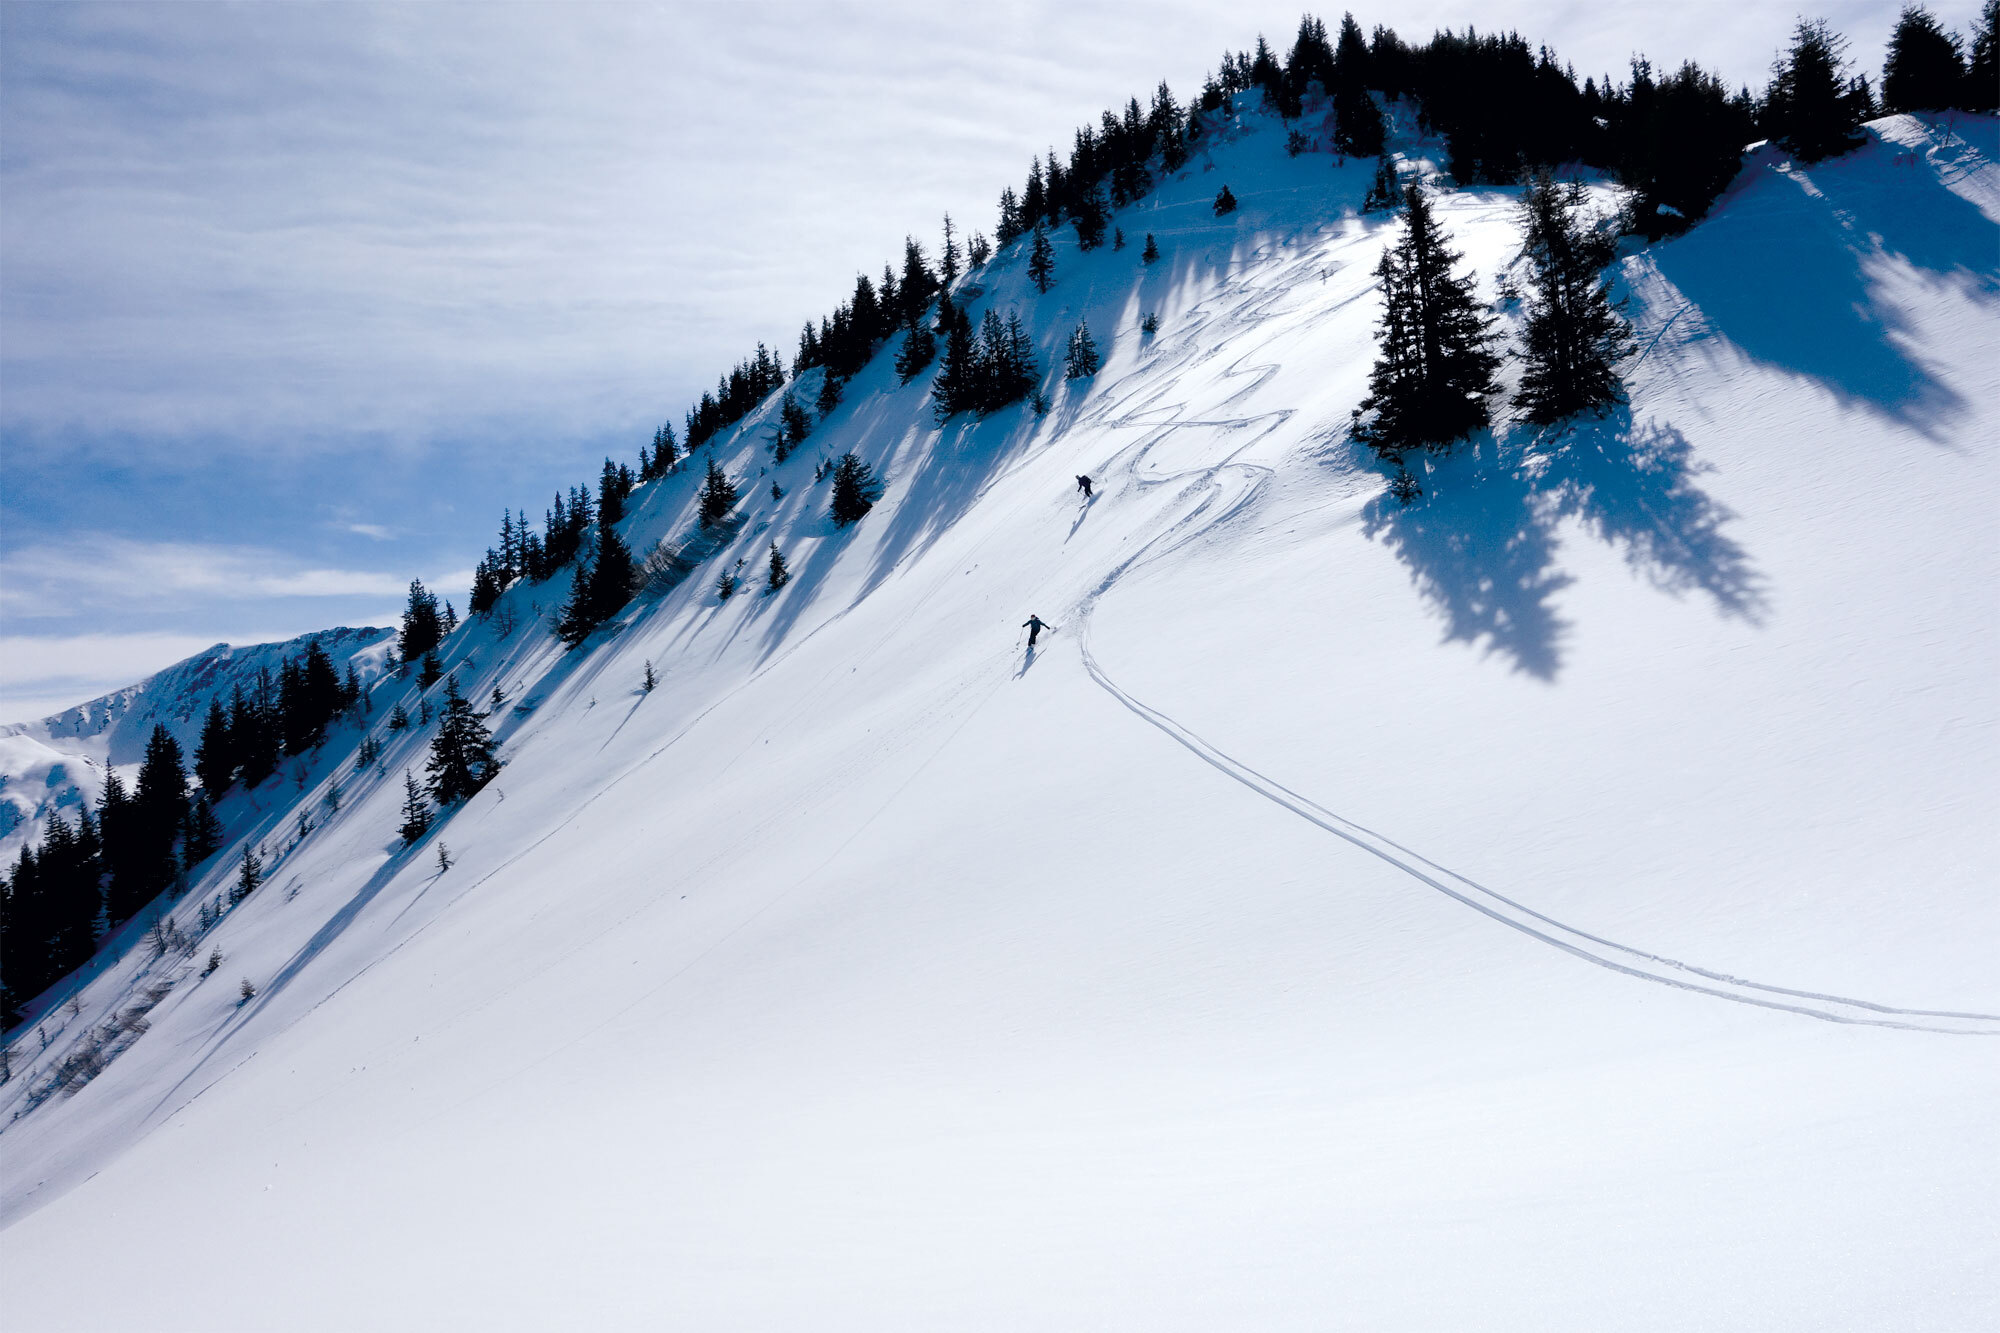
(1083, 484)
(1035, 625)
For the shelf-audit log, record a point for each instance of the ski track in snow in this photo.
(1235, 484)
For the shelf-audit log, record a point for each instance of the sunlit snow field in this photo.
(1565, 903)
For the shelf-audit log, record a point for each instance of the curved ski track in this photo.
(1228, 487)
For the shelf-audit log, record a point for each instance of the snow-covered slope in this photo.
(59, 762)
(1563, 903)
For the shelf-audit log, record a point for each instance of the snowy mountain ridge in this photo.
(872, 970)
(57, 763)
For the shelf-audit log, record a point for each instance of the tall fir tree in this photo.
(1434, 364)
(948, 266)
(1041, 261)
(461, 757)
(215, 752)
(423, 627)
(416, 813)
(1385, 194)
(1982, 66)
(1575, 336)
(249, 875)
(718, 496)
(1925, 68)
(203, 837)
(1081, 360)
(779, 573)
(1809, 106)
(919, 349)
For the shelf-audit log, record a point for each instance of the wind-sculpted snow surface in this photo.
(876, 970)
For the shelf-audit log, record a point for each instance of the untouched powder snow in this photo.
(1565, 903)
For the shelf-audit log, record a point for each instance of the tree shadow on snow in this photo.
(1810, 294)
(1481, 544)
(1481, 551)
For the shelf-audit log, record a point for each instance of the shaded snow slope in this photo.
(59, 762)
(1352, 915)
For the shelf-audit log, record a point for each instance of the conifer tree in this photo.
(1808, 107)
(1575, 336)
(666, 452)
(1151, 252)
(918, 350)
(948, 259)
(1041, 261)
(486, 585)
(1225, 202)
(1117, 239)
(1358, 129)
(1433, 367)
(978, 250)
(214, 753)
(829, 393)
(954, 388)
(779, 573)
(1091, 214)
(1081, 360)
(795, 421)
(1384, 194)
(725, 583)
(855, 490)
(600, 589)
(204, 832)
(651, 680)
(423, 628)
(1925, 69)
(718, 496)
(1982, 73)
(249, 874)
(416, 811)
(432, 672)
(461, 758)
(399, 717)
(610, 494)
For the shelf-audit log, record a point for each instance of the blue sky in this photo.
(295, 298)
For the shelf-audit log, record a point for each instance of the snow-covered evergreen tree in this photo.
(855, 490)
(416, 810)
(718, 496)
(1081, 360)
(1041, 261)
(1433, 367)
(461, 757)
(1575, 336)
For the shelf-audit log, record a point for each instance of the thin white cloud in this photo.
(372, 530)
(293, 227)
(89, 574)
(44, 674)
